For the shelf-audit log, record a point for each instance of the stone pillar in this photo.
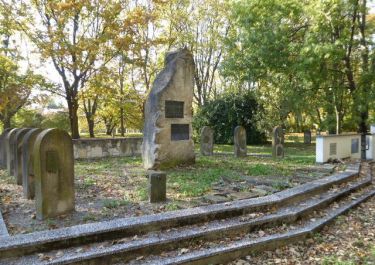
(307, 137)
(3, 153)
(277, 142)
(9, 145)
(27, 162)
(157, 187)
(240, 146)
(18, 154)
(207, 141)
(167, 133)
(54, 173)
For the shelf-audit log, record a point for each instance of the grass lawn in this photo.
(193, 181)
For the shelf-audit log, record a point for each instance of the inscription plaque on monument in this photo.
(174, 109)
(179, 132)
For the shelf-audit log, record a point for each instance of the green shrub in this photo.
(227, 112)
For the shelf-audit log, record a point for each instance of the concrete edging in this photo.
(70, 236)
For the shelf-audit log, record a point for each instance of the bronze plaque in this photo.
(180, 132)
(174, 109)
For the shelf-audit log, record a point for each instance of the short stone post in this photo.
(3, 153)
(240, 146)
(54, 173)
(307, 137)
(18, 154)
(207, 141)
(27, 162)
(9, 144)
(277, 142)
(157, 187)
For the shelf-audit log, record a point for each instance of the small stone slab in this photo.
(9, 144)
(277, 142)
(27, 163)
(18, 154)
(54, 173)
(207, 141)
(157, 189)
(307, 137)
(240, 146)
(3, 153)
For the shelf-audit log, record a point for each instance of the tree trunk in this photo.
(338, 120)
(122, 122)
(73, 117)
(91, 125)
(6, 122)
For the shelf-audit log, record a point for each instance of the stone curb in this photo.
(243, 247)
(155, 244)
(3, 229)
(80, 234)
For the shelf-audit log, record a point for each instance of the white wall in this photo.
(370, 153)
(343, 147)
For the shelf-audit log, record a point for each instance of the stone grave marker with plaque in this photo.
(167, 134)
(277, 142)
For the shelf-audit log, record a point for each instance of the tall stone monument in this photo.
(167, 133)
(54, 173)
(27, 162)
(240, 146)
(18, 154)
(207, 141)
(9, 145)
(307, 137)
(277, 142)
(3, 153)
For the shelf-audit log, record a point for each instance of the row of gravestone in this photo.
(42, 162)
(240, 145)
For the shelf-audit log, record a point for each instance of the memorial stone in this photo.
(207, 141)
(27, 162)
(54, 173)
(240, 146)
(277, 142)
(18, 154)
(307, 137)
(167, 134)
(9, 145)
(3, 157)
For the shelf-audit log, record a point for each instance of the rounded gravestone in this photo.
(207, 141)
(307, 137)
(9, 145)
(240, 146)
(3, 157)
(18, 154)
(277, 142)
(54, 173)
(28, 177)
